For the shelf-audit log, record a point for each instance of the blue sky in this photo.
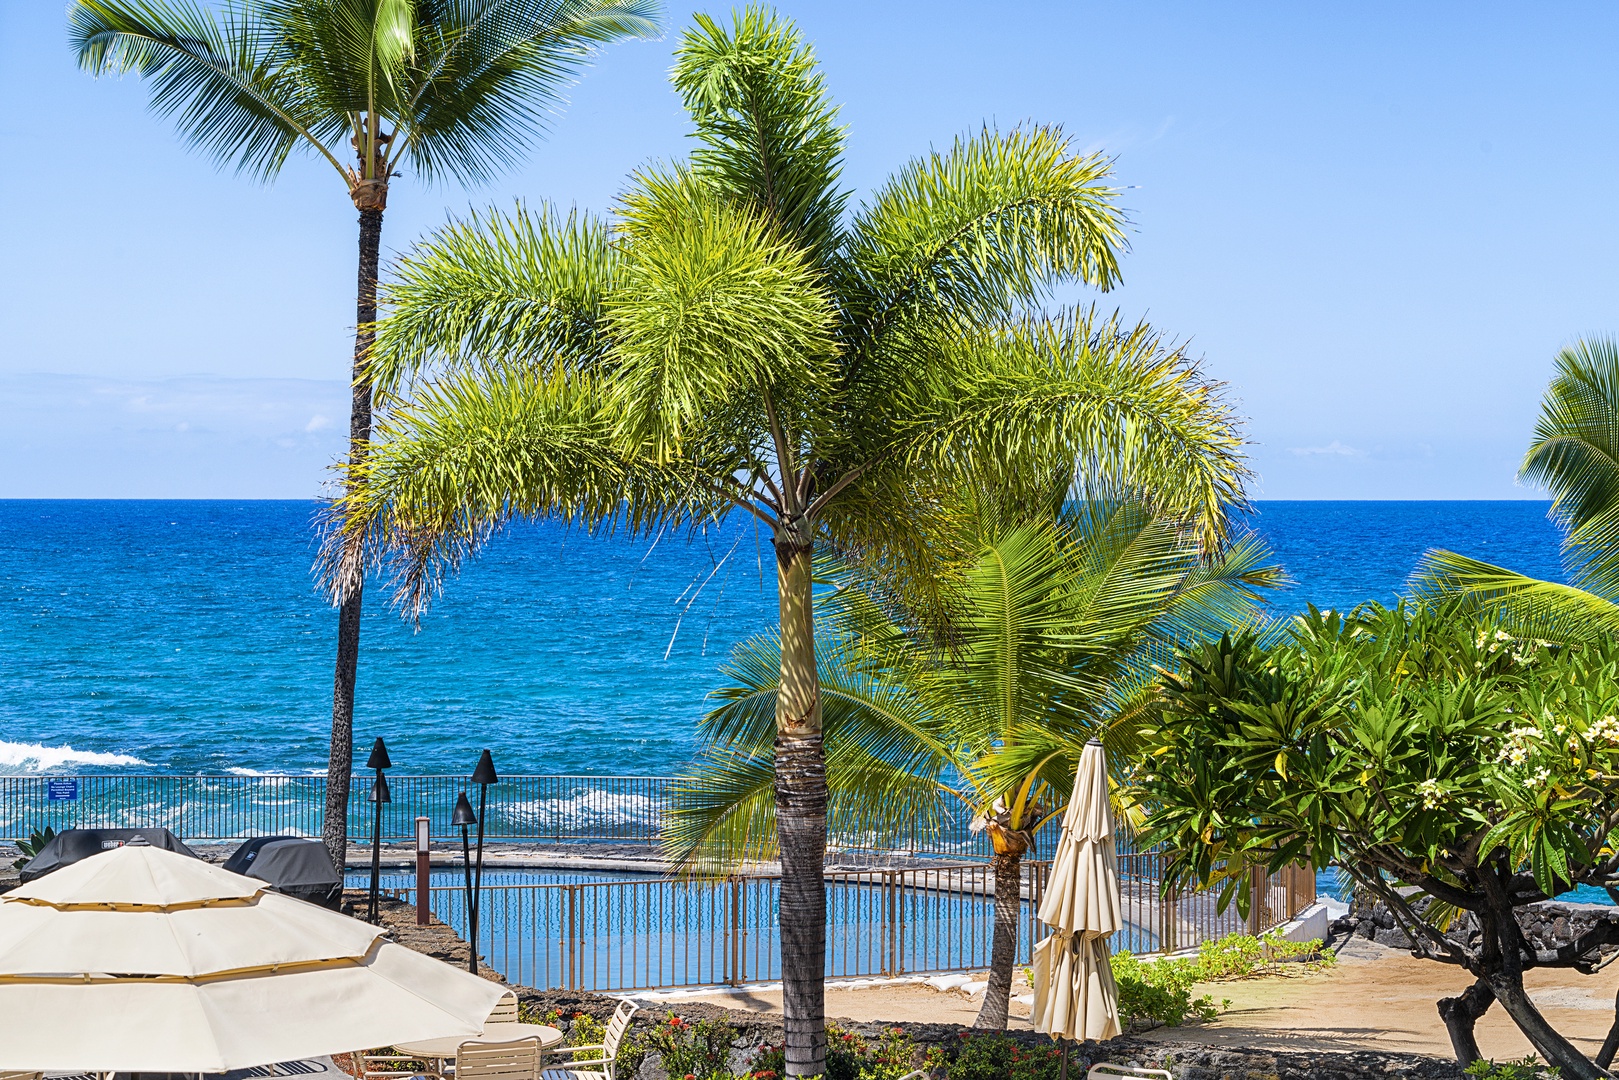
(1377, 223)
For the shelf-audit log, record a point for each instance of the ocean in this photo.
(155, 636)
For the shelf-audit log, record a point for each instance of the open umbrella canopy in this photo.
(140, 913)
(1074, 993)
(141, 960)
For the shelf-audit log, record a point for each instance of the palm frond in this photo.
(468, 454)
(1124, 411)
(224, 78)
(487, 70)
(1575, 449)
(885, 760)
(767, 130)
(1525, 606)
(1575, 454)
(496, 291)
(709, 303)
(971, 233)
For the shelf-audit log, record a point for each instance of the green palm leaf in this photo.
(1528, 607)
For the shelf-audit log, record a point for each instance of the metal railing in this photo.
(659, 933)
(537, 809)
(651, 932)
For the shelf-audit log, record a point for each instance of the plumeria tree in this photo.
(738, 339)
(371, 88)
(1456, 773)
(1047, 637)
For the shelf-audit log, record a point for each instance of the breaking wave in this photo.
(36, 757)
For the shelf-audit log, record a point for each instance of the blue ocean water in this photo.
(189, 636)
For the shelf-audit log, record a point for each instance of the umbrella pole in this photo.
(1064, 1073)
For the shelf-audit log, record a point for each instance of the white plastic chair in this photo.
(595, 1068)
(518, 1060)
(505, 1010)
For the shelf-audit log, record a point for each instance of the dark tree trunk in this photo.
(340, 763)
(1611, 1043)
(1461, 1015)
(1502, 962)
(800, 816)
(1008, 866)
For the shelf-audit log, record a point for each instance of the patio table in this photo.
(444, 1049)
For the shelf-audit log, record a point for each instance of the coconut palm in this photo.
(448, 88)
(736, 339)
(1575, 454)
(1049, 637)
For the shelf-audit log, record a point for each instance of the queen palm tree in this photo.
(1049, 637)
(449, 88)
(737, 340)
(1575, 454)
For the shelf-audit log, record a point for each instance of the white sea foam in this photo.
(241, 770)
(600, 806)
(35, 757)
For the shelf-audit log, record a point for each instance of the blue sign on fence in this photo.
(62, 790)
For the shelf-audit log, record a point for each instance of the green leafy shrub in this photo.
(1530, 1068)
(851, 1056)
(996, 1057)
(586, 1031)
(1241, 956)
(699, 1050)
(31, 846)
(1162, 989)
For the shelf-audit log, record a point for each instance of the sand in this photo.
(1374, 999)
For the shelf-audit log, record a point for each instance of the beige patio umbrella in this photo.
(142, 960)
(1074, 994)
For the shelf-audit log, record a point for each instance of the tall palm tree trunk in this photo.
(340, 763)
(1008, 867)
(800, 816)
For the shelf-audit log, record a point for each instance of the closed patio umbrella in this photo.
(1074, 993)
(141, 960)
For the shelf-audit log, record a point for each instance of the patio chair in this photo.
(518, 1060)
(505, 1011)
(595, 1068)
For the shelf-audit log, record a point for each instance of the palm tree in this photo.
(1050, 637)
(1574, 453)
(736, 341)
(450, 89)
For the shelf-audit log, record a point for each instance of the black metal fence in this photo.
(658, 933)
(538, 809)
(641, 932)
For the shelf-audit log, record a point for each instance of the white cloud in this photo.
(197, 436)
(1332, 449)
